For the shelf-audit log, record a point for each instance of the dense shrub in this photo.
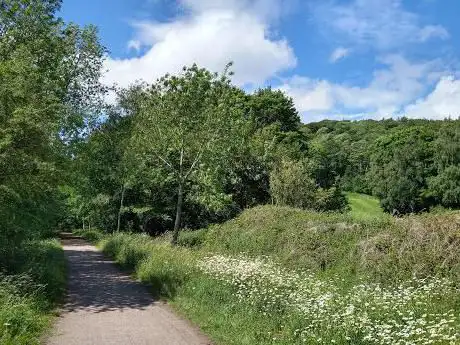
(422, 246)
(29, 292)
(192, 239)
(93, 235)
(291, 184)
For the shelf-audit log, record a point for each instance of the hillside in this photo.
(364, 206)
(278, 275)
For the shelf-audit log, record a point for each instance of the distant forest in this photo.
(410, 165)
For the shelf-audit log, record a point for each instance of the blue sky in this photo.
(338, 59)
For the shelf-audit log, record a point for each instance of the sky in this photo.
(337, 59)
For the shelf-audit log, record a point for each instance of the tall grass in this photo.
(29, 292)
(277, 275)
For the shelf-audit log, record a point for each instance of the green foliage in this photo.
(402, 162)
(399, 165)
(292, 185)
(186, 128)
(446, 186)
(268, 107)
(49, 88)
(30, 291)
(93, 235)
(193, 239)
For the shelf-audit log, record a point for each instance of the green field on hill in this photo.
(364, 206)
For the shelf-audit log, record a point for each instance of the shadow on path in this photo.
(105, 306)
(96, 284)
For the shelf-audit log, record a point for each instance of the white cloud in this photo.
(382, 24)
(211, 34)
(390, 89)
(339, 53)
(266, 9)
(309, 95)
(442, 103)
(433, 31)
(134, 45)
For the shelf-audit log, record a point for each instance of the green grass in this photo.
(364, 206)
(338, 253)
(29, 293)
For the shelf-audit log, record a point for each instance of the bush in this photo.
(292, 185)
(331, 199)
(192, 239)
(163, 267)
(127, 249)
(93, 235)
(29, 293)
(422, 246)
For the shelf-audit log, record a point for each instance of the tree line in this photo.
(410, 165)
(188, 149)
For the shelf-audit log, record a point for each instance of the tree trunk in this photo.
(121, 207)
(180, 197)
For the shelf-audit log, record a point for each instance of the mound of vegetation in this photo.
(278, 275)
(30, 291)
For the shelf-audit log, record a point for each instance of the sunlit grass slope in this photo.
(364, 206)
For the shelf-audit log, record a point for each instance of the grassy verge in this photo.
(283, 276)
(364, 206)
(30, 292)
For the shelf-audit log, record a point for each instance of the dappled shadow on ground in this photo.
(97, 285)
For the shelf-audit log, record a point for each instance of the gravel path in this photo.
(106, 307)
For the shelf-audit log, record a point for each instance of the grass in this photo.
(29, 293)
(277, 275)
(364, 206)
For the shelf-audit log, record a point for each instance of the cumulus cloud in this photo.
(390, 89)
(211, 34)
(309, 95)
(339, 53)
(443, 102)
(382, 24)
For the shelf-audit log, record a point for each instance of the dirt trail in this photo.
(106, 307)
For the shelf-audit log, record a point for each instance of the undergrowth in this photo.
(30, 290)
(277, 275)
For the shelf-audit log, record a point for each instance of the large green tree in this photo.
(49, 92)
(400, 165)
(188, 126)
(267, 107)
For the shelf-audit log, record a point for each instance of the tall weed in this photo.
(29, 292)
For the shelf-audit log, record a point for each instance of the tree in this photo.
(400, 165)
(267, 107)
(445, 186)
(187, 127)
(49, 89)
(292, 184)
